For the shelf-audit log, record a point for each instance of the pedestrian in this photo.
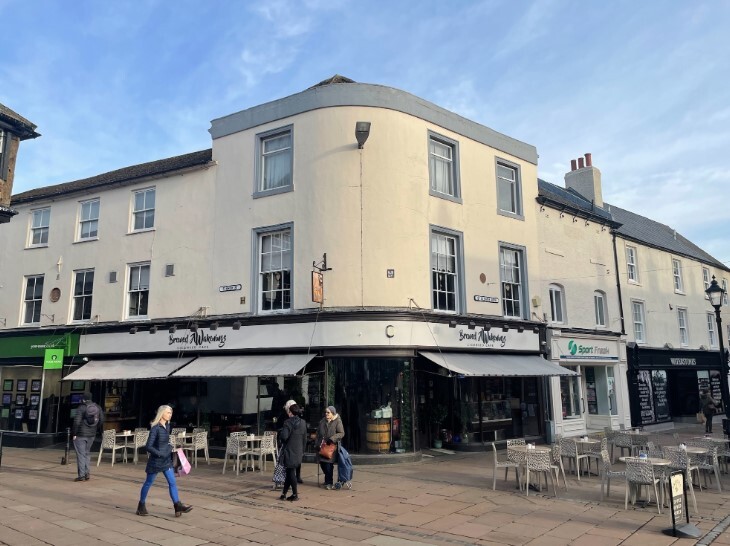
(294, 440)
(330, 431)
(159, 451)
(282, 420)
(88, 420)
(708, 405)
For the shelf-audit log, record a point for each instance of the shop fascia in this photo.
(372, 334)
(576, 348)
(34, 346)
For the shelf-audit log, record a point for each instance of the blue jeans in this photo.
(169, 475)
(82, 445)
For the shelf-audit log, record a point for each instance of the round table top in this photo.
(716, 440)
(654, 461)
(525, 449)
(695, 450)
(587, 441)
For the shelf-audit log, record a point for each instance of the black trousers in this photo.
(328, 469)
(708, 423)
(290, 480)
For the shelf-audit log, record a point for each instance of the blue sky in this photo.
(643, 86)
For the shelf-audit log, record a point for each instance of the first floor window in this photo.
(83, 288)
(33, 298)
(599, 302)
(637, 312)
(570, 394)
(139, 290)
(711, 329)
(443, 166)
(275, 265)
(683, 331)
(556, 303)
(275, 160)
(511, 271)
(39, 227)
(444, 271)
(144, 209)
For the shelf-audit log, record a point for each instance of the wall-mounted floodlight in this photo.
(362, 132)
(172, 329)
(153, 329)
(236, 325)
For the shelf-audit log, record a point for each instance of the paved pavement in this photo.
(445, 499)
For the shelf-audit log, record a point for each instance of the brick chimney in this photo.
(585, 179)
(13, 129)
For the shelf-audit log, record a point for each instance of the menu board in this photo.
(591, 390)
(661, 402)
(646, 399)
(716, 390)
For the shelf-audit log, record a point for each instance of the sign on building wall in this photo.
(585, 349)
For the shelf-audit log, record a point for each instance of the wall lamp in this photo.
(194, 327)
(236, 325)
(505, 328)
(487, 327)
(362, 132)
(472, 325)
(520, 329)
(172, 329)
(153, 329)
(536, 330)
(133, 330)
(213, 326)
(452, 324)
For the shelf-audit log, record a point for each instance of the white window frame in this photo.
(513, 293)
(511, 185)
(32, 299)
(557, 304)
(711, 333)
(144, 210)
(677, 275)
(450, 164)
(284, 154)
(600, 309)
(446, 266)
(638, 316)
(83, 295)
(632, 264)
(683, 323)
(138, 292)
(88, 220)
(40, 223)
(724, 294)
(706, 280)
(274, 261)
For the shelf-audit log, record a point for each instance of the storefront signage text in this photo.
(484, 337)
(198, 339)
(578, 351)
(683, 361)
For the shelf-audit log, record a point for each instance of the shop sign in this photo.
(580, 350)
(482, 338)
(683, 361)
(200, 339)
(230, 288)
(53, 359)
(36, 345)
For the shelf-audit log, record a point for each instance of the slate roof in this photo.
(571, 200)
(21, 126)
(644, 230)
(334, 79)
(125, 175)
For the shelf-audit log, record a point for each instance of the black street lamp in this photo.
(716, 293)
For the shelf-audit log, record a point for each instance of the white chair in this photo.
(707, 463)
(608, 473)
(622, 440)
(141, 435)
(199, 441)
(506, 465)
(557, 460)
(538, 461)
(267, 447)
(679, 460)
(640, 472)
(236, 447)
(569, 449)
(109, 441)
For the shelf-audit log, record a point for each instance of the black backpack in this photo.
(91, 415)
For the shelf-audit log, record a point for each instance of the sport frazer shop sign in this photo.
(585, 349)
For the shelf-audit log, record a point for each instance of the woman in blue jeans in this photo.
(160, 460)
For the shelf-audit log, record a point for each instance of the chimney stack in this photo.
(585, 180)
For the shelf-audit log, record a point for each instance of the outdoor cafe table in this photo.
(526, 450)
(251, 441)
(654, 461)
(125, 435)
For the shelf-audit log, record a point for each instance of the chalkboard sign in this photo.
(646, 399)
(716, 391)
(661, 402)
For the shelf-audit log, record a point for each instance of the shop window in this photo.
(570, 394)
(611, 383)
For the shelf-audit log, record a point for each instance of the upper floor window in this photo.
(683, 329)
(275, 268)
(274, 161)
(557, 303)
(89, 219)
(83, 289)
(637, 312)
(32, 299)
(509, 198)
(445, 278)
(677, 273)
(138, 294)
(711, 329)
(443, 167)
(39, 227)
(512, 276)
(706, 280)
(144, 209)
(724, 293)
(632, 269)
(599, 303)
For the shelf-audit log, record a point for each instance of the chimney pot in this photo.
(580, 163)
(589, 160)
(573, 164)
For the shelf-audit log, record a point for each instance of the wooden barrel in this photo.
(378, 435)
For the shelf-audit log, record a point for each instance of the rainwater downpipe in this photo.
(618, 283)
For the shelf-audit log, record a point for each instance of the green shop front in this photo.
(36, 404)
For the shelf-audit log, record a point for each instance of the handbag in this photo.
(183, 467)
(701, 419)
(279, 470)
(327, 451)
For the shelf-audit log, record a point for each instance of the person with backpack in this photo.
(88, 420)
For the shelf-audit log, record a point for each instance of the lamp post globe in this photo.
(716, 293)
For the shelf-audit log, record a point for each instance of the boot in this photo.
(142, 509)
(180, 508)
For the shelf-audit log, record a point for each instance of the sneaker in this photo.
(292, 498)
(80, 479)
(328, 486)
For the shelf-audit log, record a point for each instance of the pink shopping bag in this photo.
(184, 465)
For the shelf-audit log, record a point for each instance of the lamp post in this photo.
(715, 293)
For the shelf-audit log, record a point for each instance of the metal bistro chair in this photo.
(622, 441)
(237, 448)
(199, 442)
(506, 465)
(569, 449)
(267, 447)
(141, 435)
(539, 462)
(640, 472)
(608, 473)
(594, 453)
(109, 441)
(707, 463)
(557, 466)
(678, 460)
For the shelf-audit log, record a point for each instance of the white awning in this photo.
(143, 368)
(245, 366)
(483, 365)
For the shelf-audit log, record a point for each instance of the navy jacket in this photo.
(81, 428)
(159, 449)
(293, 437)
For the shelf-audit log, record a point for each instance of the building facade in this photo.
(13, 129)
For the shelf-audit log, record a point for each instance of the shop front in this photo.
(597, 397)
(665, 384)
(36, 405)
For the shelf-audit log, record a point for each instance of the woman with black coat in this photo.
(160, 460)
(293, 437)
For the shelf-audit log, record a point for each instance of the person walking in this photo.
(282, 420)
(160, 460)
(294, 439)
(708, 405)
(88, 420)
(330, 431)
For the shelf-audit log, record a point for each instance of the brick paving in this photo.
(444, 499)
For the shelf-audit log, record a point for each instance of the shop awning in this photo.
(143, 368)
(245, 366)
(476, 365)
